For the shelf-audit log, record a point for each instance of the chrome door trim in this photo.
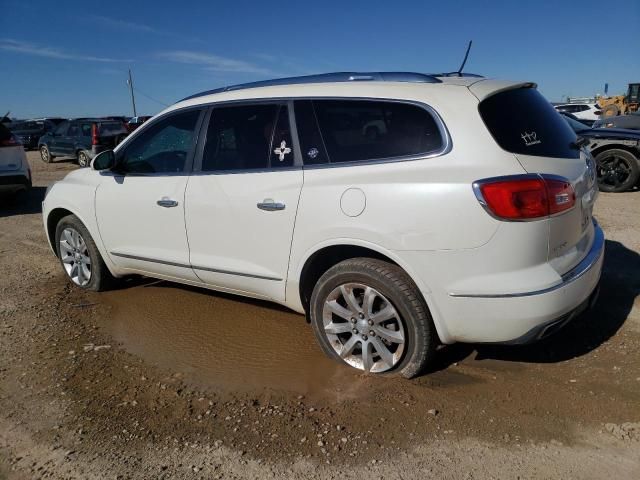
(195, 267)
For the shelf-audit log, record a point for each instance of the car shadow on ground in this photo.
(619, 287)
(22, 203)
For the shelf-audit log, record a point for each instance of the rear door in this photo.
(241, 203)
(524, 123)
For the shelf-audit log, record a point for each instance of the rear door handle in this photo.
(167, 202)
(270, 206)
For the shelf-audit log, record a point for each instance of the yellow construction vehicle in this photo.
(620, 104)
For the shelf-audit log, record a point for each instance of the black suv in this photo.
(30, 131)
(81, 138)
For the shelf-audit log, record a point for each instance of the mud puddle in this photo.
(220, 341)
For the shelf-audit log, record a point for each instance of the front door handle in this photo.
(270, 206)
(167, 202)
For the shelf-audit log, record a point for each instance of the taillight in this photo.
(10, 141)
(95, 140)
(525, 197)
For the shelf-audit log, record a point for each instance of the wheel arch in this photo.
(324, 256)
(635, 151)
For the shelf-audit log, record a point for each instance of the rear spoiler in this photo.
(486, 88)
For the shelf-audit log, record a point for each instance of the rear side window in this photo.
(522, 121)
(361, 130)
(248, 137)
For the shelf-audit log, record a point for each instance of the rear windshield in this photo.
(112, 128)
(523, 121)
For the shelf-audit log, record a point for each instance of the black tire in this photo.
(100, 278)
(618, 170)
(45, 154)
(610, 111)
(84, 160)
(393, 283)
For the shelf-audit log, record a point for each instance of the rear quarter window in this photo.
(366, 130)
(523, 122)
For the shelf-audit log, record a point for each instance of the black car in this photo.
(30, 131)
(630, 121)
(81, 138)
(616, 152)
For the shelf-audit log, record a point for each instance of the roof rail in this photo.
(457, 74)
(329, 78)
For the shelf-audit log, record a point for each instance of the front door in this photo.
(140, 205)
(241, 205)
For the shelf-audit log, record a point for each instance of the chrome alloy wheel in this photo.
(363, 327)
(75, 256)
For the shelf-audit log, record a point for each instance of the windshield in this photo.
(576, 125)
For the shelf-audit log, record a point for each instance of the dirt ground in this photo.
(157, 380)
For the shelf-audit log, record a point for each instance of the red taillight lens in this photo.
(10, 141)
(561, 195)
(95, 140)
(526, 198)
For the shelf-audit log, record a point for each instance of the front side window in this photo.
(361, 130)
(162, 147)
(248, 137)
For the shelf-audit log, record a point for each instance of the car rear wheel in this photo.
(618, 170)
(369, 314)
(45, 154)
(83, 158)
(79, 255)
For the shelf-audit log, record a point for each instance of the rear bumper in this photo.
(13, 182)
(529, 314)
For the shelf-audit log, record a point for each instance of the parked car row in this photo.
(81, 138)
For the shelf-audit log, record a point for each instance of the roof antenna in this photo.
(466, 55)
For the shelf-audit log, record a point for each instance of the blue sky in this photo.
(70, 58)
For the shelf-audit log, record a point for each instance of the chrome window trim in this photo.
(447, 143)
(195, 267)
(586, 264)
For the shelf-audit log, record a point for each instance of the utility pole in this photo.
(133, 100)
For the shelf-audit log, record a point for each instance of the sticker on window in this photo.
(530, 138)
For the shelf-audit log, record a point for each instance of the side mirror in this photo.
(104, 161)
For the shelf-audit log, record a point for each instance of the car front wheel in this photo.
(79, 255)
(369, 314)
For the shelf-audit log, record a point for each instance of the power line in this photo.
(151, 98)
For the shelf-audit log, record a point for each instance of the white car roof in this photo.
(316, 86)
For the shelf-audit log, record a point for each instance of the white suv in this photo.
(15, 173)
(583, 111)
(468, 217)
